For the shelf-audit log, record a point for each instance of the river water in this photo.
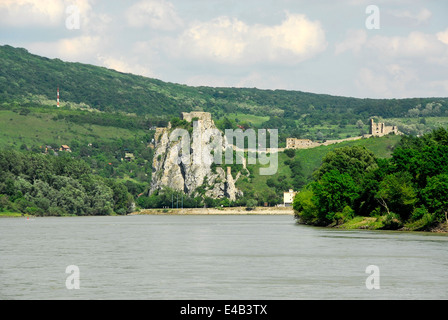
(215, 257)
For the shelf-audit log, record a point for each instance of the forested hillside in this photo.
(30, 79)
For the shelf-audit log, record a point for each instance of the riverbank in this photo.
(10, 215)
(218, 211)
(372, 223)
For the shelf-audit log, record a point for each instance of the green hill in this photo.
(28, 78)
(270, 188)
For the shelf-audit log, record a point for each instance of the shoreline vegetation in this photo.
(357, 223)
(377, 223)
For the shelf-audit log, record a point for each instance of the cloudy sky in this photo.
(397, 49)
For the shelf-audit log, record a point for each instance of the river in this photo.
(214, 257)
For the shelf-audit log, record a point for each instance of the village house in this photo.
(129, 156)
(288, 197)
(65, 148)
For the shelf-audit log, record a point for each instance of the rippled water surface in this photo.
(214, 257)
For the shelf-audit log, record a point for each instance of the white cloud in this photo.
(443, 36)
(400, 66)
(400, 76)
(297, 35)
(370, 82)
(82, 48)
(222, 39)
(122, 65)
(21, 13)
(419, 17)
(388, 81)
(439, 84)
(354, 41)
(157, 14)
(415, 45)
(231, 41)
(48, 13)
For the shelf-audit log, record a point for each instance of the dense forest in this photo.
(38, 184)
(409, 190)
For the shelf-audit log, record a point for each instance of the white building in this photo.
(288, 197)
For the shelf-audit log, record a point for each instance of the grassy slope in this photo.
(311, 159)
(40, 129)
(250, 118)
(382, 147)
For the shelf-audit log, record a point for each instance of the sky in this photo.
(354, 48)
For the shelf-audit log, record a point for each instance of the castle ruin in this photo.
(204, 117)
(380, 129)
(294, 143)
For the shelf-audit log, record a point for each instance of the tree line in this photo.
(38, 184)
(409, 190)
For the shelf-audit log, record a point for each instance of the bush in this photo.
(290, 152)
(392, 221)
(5, 204)
(55, 211)
(424, 223)
(210, 202)
(418, 213)
(34, 211)
(121, 211)
(347, 214)
(251, 204)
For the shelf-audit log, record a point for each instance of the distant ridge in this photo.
(28, 78)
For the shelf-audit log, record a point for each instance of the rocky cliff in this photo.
(183, 159)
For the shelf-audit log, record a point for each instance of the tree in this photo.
(121, 198)
(355, 161)
(332, 193)
(304, 207)
(366, 202)
(435, 195)
(396, 194)
(251, 204)
(422, 163)
(297, 173)
(290, 153)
